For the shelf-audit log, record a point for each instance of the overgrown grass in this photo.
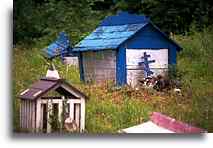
(109, 109)
(195, 63)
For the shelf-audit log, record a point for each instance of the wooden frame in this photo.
(80, 112)
(34, 115)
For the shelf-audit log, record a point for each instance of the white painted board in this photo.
(135, 72)
(147, 127)
(133, 56)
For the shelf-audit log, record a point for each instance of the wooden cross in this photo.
(147, 71)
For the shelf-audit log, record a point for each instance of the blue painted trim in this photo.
(173, 42)
(121, 73)
(81, 69)
(172, 55)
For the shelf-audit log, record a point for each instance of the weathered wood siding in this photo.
(99, 66)
(27, 115)
(136, 72)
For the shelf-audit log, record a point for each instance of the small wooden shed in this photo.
(116, 50)
(46, 104)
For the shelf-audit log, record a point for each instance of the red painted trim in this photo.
(174, 125)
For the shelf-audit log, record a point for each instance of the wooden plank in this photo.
(49, 113)
(25, 118)
(38, 115)
(77, 114)
(21, 114)
(27, 115)
(31, 112)
(33, 117)
(82, 125)
(45, 101)
(42, 116)
(60, 111)
(74, 100)
(71, 110)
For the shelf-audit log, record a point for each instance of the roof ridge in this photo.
(123, 18)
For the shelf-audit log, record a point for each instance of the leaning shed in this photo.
(46, 104)
(125, 48)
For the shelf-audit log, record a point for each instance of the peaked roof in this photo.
(123, 18)
(46, 84)
(115, 30)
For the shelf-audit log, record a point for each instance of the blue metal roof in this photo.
(59, 47)
(115, 30)
(108, 37)
(124, 18)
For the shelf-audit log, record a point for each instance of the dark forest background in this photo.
(42, 20)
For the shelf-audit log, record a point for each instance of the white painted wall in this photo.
(135, 72)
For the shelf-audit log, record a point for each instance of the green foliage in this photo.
(40, 21)
(106, 116)
(195, 64)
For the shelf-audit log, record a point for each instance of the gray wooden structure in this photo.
(99, 66)
(51, 98)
